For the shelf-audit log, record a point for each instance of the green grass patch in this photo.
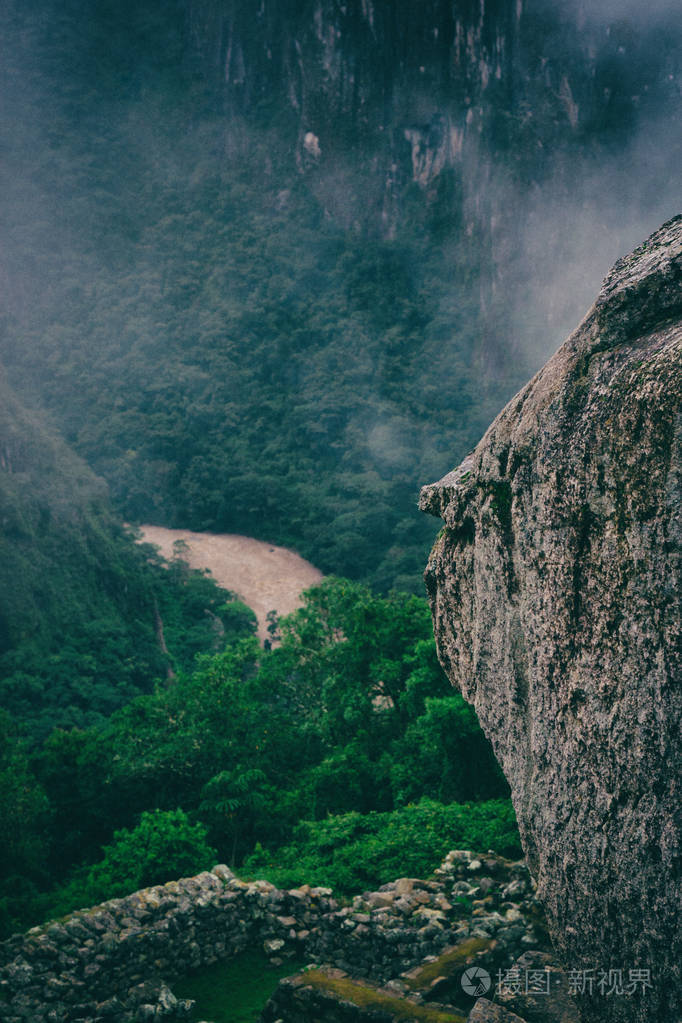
(235, 991)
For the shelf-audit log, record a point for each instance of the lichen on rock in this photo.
(555, 591)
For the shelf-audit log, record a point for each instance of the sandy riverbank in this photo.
(265, 577)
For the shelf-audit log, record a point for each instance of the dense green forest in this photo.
(349, 725)
(145, 734)
(88, 618)
(226, 357)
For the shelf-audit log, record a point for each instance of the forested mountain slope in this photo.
(270, 267)
(84, 612)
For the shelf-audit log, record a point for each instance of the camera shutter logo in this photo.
(476, 981)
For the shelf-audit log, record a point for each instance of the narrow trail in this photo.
(265, 577)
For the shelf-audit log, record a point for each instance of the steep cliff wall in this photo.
(508, 126)
(377, 72)
(555, 589)
(401, 93)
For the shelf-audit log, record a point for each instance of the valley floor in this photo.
(264, 576)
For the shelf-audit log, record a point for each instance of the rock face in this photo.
(555, 591)
(436, 92)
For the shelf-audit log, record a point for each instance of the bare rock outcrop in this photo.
(555, 590)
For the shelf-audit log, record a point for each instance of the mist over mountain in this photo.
(271, 266)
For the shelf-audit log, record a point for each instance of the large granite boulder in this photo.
(555, 591)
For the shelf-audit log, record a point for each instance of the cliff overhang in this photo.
(555, 592)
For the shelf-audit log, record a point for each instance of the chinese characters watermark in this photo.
(609, 982)
(603, 983)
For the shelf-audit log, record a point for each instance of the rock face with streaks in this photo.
(555, 591)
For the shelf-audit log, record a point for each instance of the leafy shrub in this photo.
(352, 852)
(164, 845)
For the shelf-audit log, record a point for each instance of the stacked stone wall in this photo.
(115, 961)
